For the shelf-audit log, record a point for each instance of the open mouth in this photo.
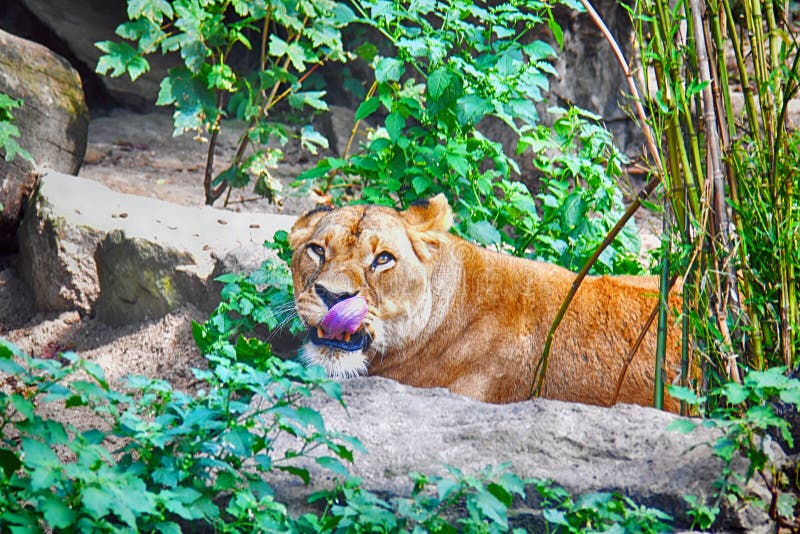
(349, 342)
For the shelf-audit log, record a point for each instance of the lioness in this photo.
(440, 311)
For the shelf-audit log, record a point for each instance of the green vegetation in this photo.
(746, 413)
(456, 67)
(291, 40)
(728, 193)
(9, 148)
(729, 182)
(161, 460)
(157, 457)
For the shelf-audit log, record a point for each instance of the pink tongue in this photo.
(345, 316)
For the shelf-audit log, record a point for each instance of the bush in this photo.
(454, 65)
(183, 459)
(9, 148)
(291, 40)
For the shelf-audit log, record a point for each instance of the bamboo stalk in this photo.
(661, 338)
(540, 371)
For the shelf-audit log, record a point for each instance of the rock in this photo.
(581, 448)
(82, 23)
(129, 258)
(589, 74)
(53, 123)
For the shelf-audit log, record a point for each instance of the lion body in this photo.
(448, 313)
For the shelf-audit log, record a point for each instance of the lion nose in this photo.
(330, 297)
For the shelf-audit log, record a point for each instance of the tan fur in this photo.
(449, 313)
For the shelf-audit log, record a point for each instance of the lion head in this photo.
(385, 260)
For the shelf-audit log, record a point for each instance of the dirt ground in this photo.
(137, 154)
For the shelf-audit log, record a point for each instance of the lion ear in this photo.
(430, 214)
(304, 227)
(428, 220)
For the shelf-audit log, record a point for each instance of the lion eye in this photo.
(317, 252)
(382, 259)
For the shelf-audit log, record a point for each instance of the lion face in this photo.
(377, 253)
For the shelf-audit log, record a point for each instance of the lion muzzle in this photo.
(343, 325)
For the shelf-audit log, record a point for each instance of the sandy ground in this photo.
(135, 154)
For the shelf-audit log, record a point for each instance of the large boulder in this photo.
(80, 24)
(129, 258)
(53, 123)
(584, 449)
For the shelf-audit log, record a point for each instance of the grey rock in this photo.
(589, 74)
(128, 258)
(82, 23)
(581, 448)
(53, 123)
(140, 279)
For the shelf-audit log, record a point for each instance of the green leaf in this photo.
(735, 393)
(98, 502)
(310, 139)
(56, 512)
(483, 232)
(445, 487)
(195, 104)
(421, 184)
(394, 125)
(367, 108)
(791, 396)
(438, 82)
(120, 58)
(500, 493)
(388, 69)
(234, 176)
(280, 48)
(685, 394)
(38, 454)
(313, 99)
(682, 426)
(787, 503)
(458, 163)
(9, 462)
(573, 212)
(154, 10)
(311, 417)
(558, 33)
(470, 109)
(222, 77)
(303, 474)
(334, 465)
(168, 527)
(492, 508)
(763, 417)
(23, 406)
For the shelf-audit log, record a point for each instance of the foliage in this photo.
(598, 512)
(746, 414)
(163, 460)
(263, 298)
(9, 148)
(456, 67)
(729, 177)
(479, 503)
(461, 503)
(182, 458)
(214, 39)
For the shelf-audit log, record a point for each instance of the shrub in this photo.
(183, 458)
(9, 148)
(454, 64)
(291, 39)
